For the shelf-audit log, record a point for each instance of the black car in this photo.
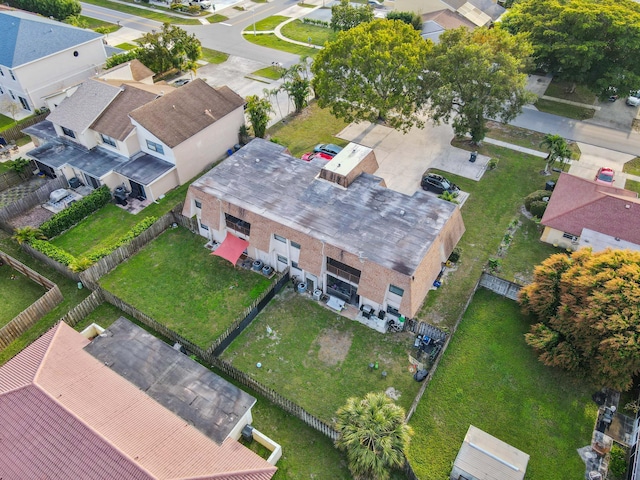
(437, 183)
(328, 148)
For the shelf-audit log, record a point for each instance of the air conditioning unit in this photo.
(247, 432)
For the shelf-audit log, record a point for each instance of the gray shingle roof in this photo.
(81, 109)
(26, 37)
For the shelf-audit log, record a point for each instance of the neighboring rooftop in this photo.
(185, 111)
(577, 203)
(144, 169)
(134, 70)
(43, 130)
(366, 219)
(78, 111)
(67, 415)
(194, 393)
(26, 37)
(114, 120)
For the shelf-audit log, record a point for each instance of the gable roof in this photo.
(366, 219)
(67, 415)
(577, 203)
(191, 391)
(81, 109)
(26, 37)
(185, 111)
(133, 70)
(114, 120)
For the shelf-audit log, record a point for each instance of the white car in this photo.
(633, 99)
(203, 4)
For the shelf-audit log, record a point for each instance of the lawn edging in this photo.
(34, 312)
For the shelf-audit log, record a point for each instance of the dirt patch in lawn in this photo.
(33, 218)
(334, 346)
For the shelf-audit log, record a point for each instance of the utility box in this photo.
(550, 185)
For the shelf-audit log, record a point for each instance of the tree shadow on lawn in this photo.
(318, 359)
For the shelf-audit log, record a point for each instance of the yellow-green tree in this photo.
(588, 310)
(372, 73)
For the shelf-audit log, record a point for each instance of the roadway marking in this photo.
(225, 24)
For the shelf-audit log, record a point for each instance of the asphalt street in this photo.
(126, 20)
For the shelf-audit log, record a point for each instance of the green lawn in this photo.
(491, 379)
(525, 252)
(126, 46)
(564, 110)
(314, 353)
(6, 122)
(110, 223)
(72, 296)
(269, 72)
(267, 24)
(269, 40)
(297, 30)
(560, 89)
(494, 202)
(314, 125)
(94, 23)
(16, 294)
(216, 18)
(176, 281)
(142, 12)
(214, 56)
(104, 315)
(632, 166)
(632, 185)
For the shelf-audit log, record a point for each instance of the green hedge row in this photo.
(137, 229)
(58, 9)
(75, 212)
(53, 252)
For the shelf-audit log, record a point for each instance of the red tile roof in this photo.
(67, 415)
(577, 203)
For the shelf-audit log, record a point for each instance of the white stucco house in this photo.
(39, 57)
(147, 138)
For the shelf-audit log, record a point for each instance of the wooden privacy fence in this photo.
(15, 132)
(11, 179)
(37, 197)
(282, 402)
(84, 308)
(38, 309)
(500, 286)
(57, 266)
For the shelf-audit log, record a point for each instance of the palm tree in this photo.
(558, 149)
(374, 434)
(27, 234)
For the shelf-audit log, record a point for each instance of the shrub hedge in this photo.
(137, 229)
(538, 208)
(53, 252)
(75, 212)
(536, 196)
(58, 9)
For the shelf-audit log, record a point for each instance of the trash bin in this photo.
(230, 152)
(473, 157)
(550, 185)
(302, 287)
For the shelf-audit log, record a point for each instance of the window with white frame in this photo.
(280, 238)
(108, 140)
(198, 204)
(68, 132)
(295, 245)
(396, 290)
(156, 147)
(1, 91)
(1, 72)
(12, 95)
(12, 75)
(282, 259)
(295, 265)
(203, 226)
(573, 238)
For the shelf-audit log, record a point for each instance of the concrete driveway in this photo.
(403, 159)
(593, 158)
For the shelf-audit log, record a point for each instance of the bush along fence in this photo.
(37, 197)
(38, 309)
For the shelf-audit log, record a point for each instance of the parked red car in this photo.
(604, 176)
(307, 157)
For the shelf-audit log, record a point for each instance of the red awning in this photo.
(231, 248)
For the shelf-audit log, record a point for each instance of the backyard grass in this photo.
(560, 89)
(16, 294)
(72, 296)
(494, 202)
(302, 32)
(104, 315)
(6, 122)
(632, 185)
(176, 281)
(632, 167)
(523, 137)
(269, 40)
(490, 378)
(214, 56)
(313, 353)
(126, 46)
(142, 12)
(302, 132)
(272, 73)
(109, 223)
(525, 252)
(564, 110)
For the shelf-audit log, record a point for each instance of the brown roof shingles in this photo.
(185, 111)
(82, 412)
(577, 203)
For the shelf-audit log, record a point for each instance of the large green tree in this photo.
(258, 110)
(344, 15)
(171, 47)
(474, 76)
(591, 42)
(372, 72)
(374, 435)
(587, 307)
